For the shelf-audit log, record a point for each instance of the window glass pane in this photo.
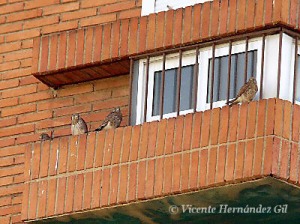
(298, 82)
(186, 89)
(170, 91)
(237, 75)
(156, 93)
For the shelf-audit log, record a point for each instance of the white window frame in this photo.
(223, 50)
(153, 6)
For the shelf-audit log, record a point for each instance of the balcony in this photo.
(189, 153)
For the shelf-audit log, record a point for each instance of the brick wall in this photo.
(28, 107)
(196, 151)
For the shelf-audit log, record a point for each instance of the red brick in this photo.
(126, 144)
(259, 13)
(132, 187)
(35, 97)
(241, 14)
(276, 155)
(25, 15)
(294, 163)
(10, 47)
(108, 147)
(96, 189)
(293, 13)
(296, 123)
(268, 159)
(8, 122)
(63, 155)
(142, 175)
(220, 170)
(193, 179)
(9, 65)
(70, 193)
(114, 184)
(59, 27)
(61, 57)
(142, 33)
(15, 130)
(117, 146)
(42, 198)
(150, 175)
(116, 26)
(284, 159)
(233, 121)
(123, 182)
(151, 32)
(33, 200)
(232, 15)
(178, 18)
(178, 138)
(35, 163)
(162, 128)
(187, 132)
(223, 15)
(54, 153)
(110, 83)
(105, 187)
(132, 42)
(248, 162)
(88, 184)
(258, 155)
(152, 137)
(176, 172)
(6, 9)
(215, 8)
(143, 149)
(270, 116)
(61, 194)
(99, 151)
(168, 173)
(277, 9)
(212, 166)
(89, 37)
(45, 154)
(70, 110)
(43, 54)
(215, 126)
(48, 20)
(78, 197)
(159, 29)
(55, 103)
(261, 118)
(168, 33)
(81, 152)
(22, 35)
(251, 120)
(250, 14)
(131, 13)
(53, 9)
(88, 3)
(124, 37)
(51, 199)
(39, 3)
(80, 47)
(230, 160)
(278, 127)
(100, 19)
(90, 150)
(159, 172)
(185, 171)
(205, 128)
(82, 13)
(106, 41)
(268, 11)
(4, 181)
(53, 52)
(242, 121)
(203, 167)
(206, 10)
(25, 198)
(5, 219)
(287, 120)
(169, 141)
(120, 6)
(197, 130)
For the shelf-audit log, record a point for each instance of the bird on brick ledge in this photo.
(112, 120)
(246, 93)
(45, 137)
(78, 125)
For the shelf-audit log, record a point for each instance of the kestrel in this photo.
(246, 93)
(113, 120)
(45, 137)
(78, 125)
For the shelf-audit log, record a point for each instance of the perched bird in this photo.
(78, 125)
(45, 137)
(113, 120)
(246, 93)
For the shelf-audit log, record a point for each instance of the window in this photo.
(160, 89)
(153, 6)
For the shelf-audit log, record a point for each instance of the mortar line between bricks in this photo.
(146, 159)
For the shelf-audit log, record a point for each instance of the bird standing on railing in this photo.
(78, 125)
(246, 93)
(112, 120)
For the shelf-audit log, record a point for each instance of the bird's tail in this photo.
(99, 129)
(232, 102)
